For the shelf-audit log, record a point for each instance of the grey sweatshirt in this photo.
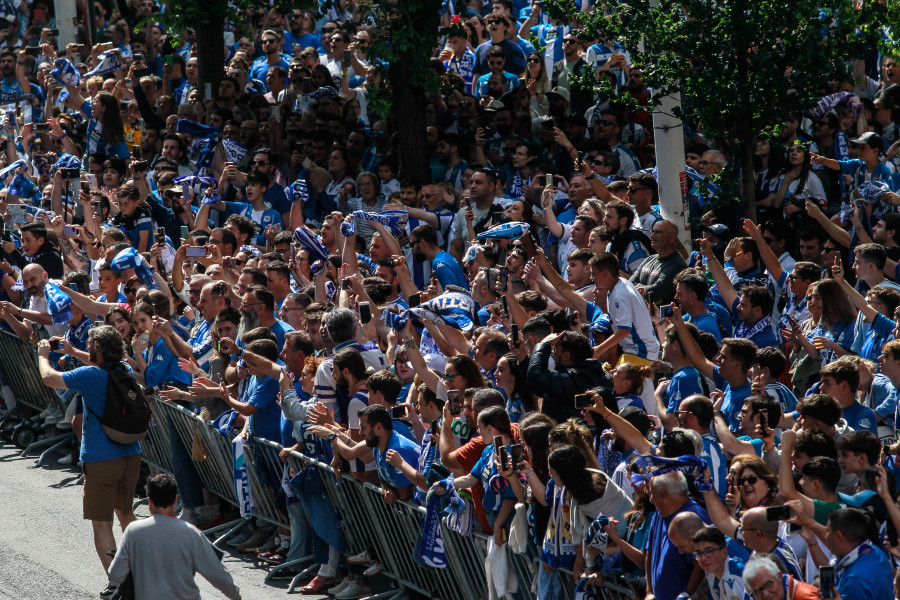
(164, 554)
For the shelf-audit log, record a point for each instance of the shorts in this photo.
(109, 485)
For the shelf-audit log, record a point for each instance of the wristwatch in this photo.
(331, 436)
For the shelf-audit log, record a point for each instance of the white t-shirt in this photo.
(628, 311)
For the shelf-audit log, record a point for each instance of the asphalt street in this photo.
(47, 551)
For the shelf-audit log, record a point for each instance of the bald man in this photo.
(34, 277)
(760, 535)
(656, 275)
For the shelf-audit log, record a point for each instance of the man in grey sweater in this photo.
(162, 544)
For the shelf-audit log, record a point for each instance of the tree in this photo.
(743, 66)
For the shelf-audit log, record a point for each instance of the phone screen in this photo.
(454, 405)
(195, 252)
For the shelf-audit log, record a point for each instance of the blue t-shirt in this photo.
(883, 397)
(391, 475)
(706, 322)
(162, 366)
(685, 382)
(265, 422)
(485, 469)
(860, 417)
(734, 399)
(670, 570)
(447, 270)
(869, 577)
(718, 465)
(880, 332)
(91, 382)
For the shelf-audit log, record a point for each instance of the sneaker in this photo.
(284, 574)
(340, 587)
(109, 591)
(53, 418)
(255, 542)
(275, 557)
(46, 412)
(64, 425)
(242, 536)
(66, 460)
(353, 592)
(268, 547)
(375, 569)
(189, 515)
(362, 558)
(206, 513)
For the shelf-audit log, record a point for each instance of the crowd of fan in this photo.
(714, 420)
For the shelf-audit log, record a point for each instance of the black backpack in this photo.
(127, 415)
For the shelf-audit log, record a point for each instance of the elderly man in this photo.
(764, 580)
(656, 275)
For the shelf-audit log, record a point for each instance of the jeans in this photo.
(301, 531)
(189, 486)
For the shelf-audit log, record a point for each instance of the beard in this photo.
(419, 257)
(373, 441)
(249, 322)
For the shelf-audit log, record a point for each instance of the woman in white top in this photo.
(798, 184)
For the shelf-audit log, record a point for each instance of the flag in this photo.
(65, 72)
(109, 62)
(58, 303)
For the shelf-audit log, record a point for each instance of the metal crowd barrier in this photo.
(18, 361)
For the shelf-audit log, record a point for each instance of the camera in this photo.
(40, 127)
(70, 173)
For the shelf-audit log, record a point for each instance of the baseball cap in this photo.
(870, 139)
(636, 417)
(717, 229)
(561, 92)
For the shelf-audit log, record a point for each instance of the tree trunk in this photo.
(409, 108)
(748, 182)
(211, 39)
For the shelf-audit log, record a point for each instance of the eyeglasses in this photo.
(598, 162)
(698, 554)
(570, 41)
(751, 480)
(285, 309)
(466, 103)
(766, 587)
(450, 376)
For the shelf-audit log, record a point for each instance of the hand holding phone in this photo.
(453, 403)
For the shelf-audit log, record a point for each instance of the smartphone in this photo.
(826, 581)
(60, 345)
(40, 127)
(33, 50)
(583, 401)
(455, 406)
(548, 179)
(504, 281)
(516, 453)
(498, 445)
(778, 513)
(70, 173)
(161, 235)
(365, 312)
(92, 181)
(54, 32)
(221, 348)
(435, 428)
(185, 232)
(7, 235)
(139, 73)
(580, 157)
(70, 231)
(763, 419)
(195, 252)
(415, 300)
(347, 57)
(85, 185)
(136, 151)
(345, 284)
(140, 166)
(665, 311)
(138, 57)
(515, 334)
(169, 59)
(399, 411)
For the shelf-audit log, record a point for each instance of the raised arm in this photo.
(773, 265)
(837, 233)
(624, 430)
(556, 280)
(719, 513)
(689, 345)
(726, 288)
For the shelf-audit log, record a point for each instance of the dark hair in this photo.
(759, 297)
(888, 296)
(38, 231)
(265, 348)
(742, 350)
(537, 326)
(387, 382)
(701, 407)
(842, 372)
(263, 295)
(813, 442)
(571, 466)
(873, 253)
(623, 210)
(534, 429)
(855, 525)
(496, 417)
(710, 535)
(576, 344)
(861, 441)
(773, 359)
(425, 233)
(520, 386)
(352, 360)
(376, 414)
(825, 469)
(821, 407)
(694, 282)
(299, 341)
(161, 490)
(675, 444)
(606, 261)
(806, 270)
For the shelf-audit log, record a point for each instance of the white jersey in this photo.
(628, 311)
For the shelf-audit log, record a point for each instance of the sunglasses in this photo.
(745, 480)
(131, 290)
(535, 61)
(599, 163)
(636, 189)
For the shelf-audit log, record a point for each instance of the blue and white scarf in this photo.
(748, 331)
(7, 171)
(66, 161)
(453, 308)
(14, 97)
(297, 191)
(65, 72)
(250, 250)
(505, 231)
(129, 258)
(310, 242)
(225, 422)
(692, 466)
(394, 220)
(234, 152)
(193, 129)
(109, 62)
(58, 303)
(242, 492)
(430, 548)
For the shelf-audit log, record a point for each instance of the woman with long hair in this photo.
(343, 183)
(751, 483)
(512, 383)
(105, 131)
(832, 335)
(798, 184)
(536, 82)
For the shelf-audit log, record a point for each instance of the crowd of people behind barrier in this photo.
(522, 339)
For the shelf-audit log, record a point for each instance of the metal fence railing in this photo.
(389, 532)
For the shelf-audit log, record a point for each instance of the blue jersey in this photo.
(464, 66)
(685, 382)
(860, 417)
(266, 421)
(448, 272)
(481, 85)
(734, 399)
(388, 474)
(486, 469)
(718, 465)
